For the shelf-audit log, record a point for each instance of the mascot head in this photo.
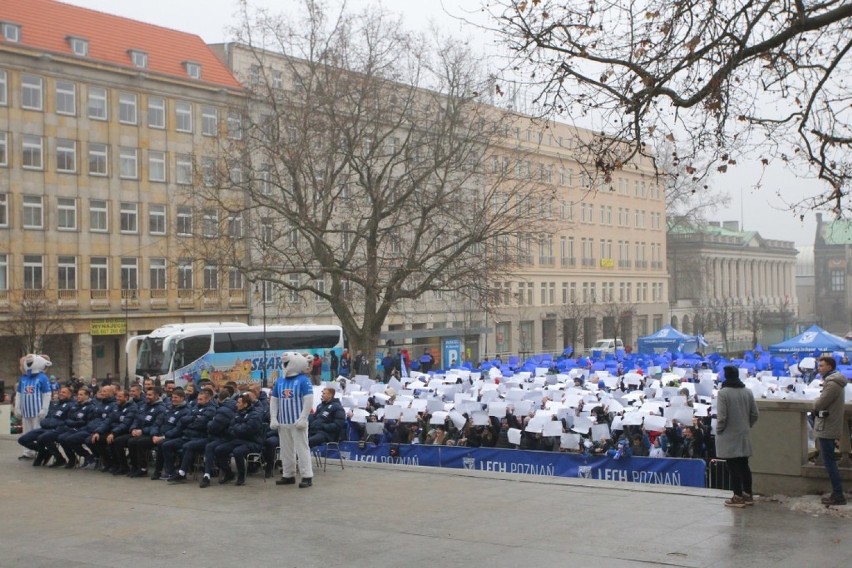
(34, 364)
(293, 363)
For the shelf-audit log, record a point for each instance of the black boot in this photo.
(306, 482)
(41, 458)
(227, 477)
(286, 481)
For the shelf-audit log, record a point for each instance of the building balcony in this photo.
(237, 298)
(625, 264)
(67, 299)
(212, 297)
(588, 262)
(186, 298)
(569, 261)
(99, 299)
(546, 260)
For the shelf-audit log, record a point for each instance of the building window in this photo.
(31, 92)
(4, 210)
(129, 217)
(211, 277)
(4, 84)
(4, 272)
(208, 172)
(294, 293)
(156, 112)
(192, 69)
(33, 212)
(235, 125)
(209, 224)
(4, 148)
(235, 278)
(184, 275)
(183, 116)
(156, 166)
(98, 273)
(66, 215)
(66, 156)
(66, 98)
(33, 272)
(209, 120)
(183, 169)
(157, 219)
(11, 32)
(184, 221)
(128, 162)
(129, 274)
(97, 104)
(67, 272)
(98, 159)
(235, 227)
(158, 274)
(838, 280)
(98, 216)
(127, 108)
(139, 58)
(32, 152)
(79, 46)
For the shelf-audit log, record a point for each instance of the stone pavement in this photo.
(378, 515)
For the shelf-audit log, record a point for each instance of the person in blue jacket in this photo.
(327, 422)
(245, 431)
(174, 423)
(426, 361)
(217, 434)
(148, 424)
(43, 440)
(32, 395)
(193, 439)
(117, 423)
(80, 424)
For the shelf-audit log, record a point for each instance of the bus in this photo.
(231, 352)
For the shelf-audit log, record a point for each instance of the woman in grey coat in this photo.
(736, 414)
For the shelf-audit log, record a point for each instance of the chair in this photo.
(321, 453)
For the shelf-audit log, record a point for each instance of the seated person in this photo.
(328, 421)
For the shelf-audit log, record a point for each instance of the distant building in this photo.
(735, 287)
(832, 269)
(805, 288)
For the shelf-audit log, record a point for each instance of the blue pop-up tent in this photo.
(814, 339)
(671, 340)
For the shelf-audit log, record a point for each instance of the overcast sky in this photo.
(759, 208)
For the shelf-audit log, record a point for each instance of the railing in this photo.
(569, 261)
(641, 264)
(69, 296)
(99, 295)
(624, 264)
(548, 260)
(588, 261)
(30, 294)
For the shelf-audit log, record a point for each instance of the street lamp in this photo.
(261, 296)
(128, 295)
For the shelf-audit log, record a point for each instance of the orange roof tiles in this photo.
(47, 24)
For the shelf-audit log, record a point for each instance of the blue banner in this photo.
(659, 471)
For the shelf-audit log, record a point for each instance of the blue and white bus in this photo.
(232, 352)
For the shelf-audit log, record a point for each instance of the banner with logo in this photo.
(660, 471)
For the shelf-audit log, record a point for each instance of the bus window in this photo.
(190, 350)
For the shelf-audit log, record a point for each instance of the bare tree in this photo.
(364, 171)
(573, 315)
(756, 314)
(32, 321)
(719, 79)
(616, 316)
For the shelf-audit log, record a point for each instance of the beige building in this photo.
(102, 123)
(599, 271)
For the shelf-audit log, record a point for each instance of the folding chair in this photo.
(321, 453)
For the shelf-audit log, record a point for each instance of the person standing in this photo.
(828, 424)
(736, 414)
(32, 399)
(333, 363)
(289, 406)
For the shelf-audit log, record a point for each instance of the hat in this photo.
(731, 373)
(390, 392)
(52, 377)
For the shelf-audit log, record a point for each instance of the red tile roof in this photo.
(46, 25)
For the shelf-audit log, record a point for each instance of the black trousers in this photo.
(740, 475)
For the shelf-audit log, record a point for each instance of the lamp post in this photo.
(128, 295)
(260, 294)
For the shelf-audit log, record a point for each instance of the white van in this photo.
(608, 345)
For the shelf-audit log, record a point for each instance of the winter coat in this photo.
(736, 414)
(830, 400)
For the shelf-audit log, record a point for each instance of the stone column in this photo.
(82, 345)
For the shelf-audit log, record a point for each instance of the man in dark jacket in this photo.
(217, 434)
(43, 440)
(117, 423)
(174, 423)
(193, 439)
(80, 424)
(148, 424)
(327, 421)
(828, 424)
(245, 431)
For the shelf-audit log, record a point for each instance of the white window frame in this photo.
(11, 32)
(66, 214)
(64, 96)
(32, 87)
(235, 125)
(79, 46)
(193, 69)
(98, 216)
(128, 107)
(184, 222)
(128, 218)
(183, 169)
(4, 149)
(185, 276)
(209, 224)
(66, 156)
(211, 277)
(66, 272)
(4, 210)
(158, 277)
(32, 212)
(156, 109)
(32, 147)
(4, 87)
(209, 122)
(97, 103)
(157, 166)
(129, 273)
(157, 219)
(128, 160)
(235, 226)
(100, 153)
(138, 58)
(183, 116)
(4, 272)
(99, 273)
(33, 272)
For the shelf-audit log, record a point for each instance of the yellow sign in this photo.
(109, 327)
(607, 263)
